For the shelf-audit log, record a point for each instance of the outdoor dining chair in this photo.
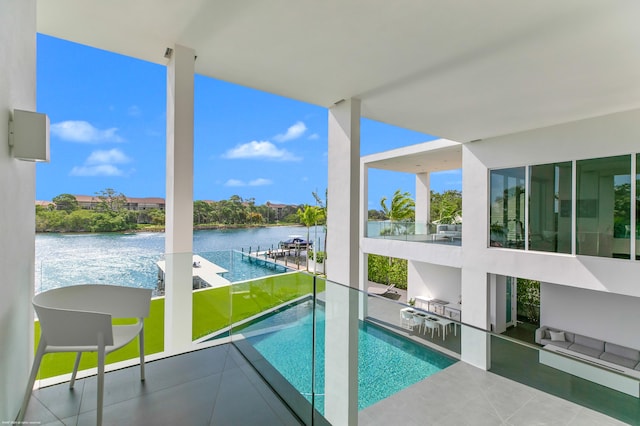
(79, 319)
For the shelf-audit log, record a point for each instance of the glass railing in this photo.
(337, 354)
(212, 275)
(334, 353)
(424, 232)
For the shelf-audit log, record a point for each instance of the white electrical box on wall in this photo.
(29, 136)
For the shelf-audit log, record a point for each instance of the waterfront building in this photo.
(540, 105)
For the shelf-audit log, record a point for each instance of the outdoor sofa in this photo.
(605, 354)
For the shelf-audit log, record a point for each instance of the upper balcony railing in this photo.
(424, 232)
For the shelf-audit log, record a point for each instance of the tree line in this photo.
(111, 215)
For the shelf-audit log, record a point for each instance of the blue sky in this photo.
(107, 115)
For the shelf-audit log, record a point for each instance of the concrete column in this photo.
(476, 343)
(343, 196)
(344, 223)
(179, 202)
(423, 201)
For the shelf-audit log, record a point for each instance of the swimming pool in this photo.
(387, 363)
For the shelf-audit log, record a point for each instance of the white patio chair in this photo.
(78, 319)
(432, 325)
(407, 320)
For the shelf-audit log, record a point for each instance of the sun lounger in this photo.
(379, 291)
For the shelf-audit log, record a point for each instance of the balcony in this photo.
(288, 346)
(423, 232)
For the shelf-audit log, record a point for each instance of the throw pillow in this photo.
(557, 336)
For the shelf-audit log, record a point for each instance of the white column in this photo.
(423, 202)
(343, 192)
(343, 222)
(476, 343)
(179, 203)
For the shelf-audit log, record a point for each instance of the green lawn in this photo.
(213, 310)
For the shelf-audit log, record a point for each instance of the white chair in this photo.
(432, 325)
(407, 320)
(78, 319)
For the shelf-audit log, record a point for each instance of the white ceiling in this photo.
(460, 69)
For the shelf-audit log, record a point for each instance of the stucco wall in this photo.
(17, 195)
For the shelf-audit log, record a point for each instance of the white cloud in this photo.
(83, 131)
(113, 156)
(260, 150)
(260, 182)
(98, 170)
(313, 137)
(234, 182)
(293, 132)
(103, 163)
(255, 182)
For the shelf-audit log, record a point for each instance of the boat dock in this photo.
(205, 274)
(280, 257)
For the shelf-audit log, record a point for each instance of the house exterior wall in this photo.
(17, 218)
(605, 136)
(597, 296)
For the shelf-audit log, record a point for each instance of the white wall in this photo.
(610, 135)
(439, 282)
(17, 212)
(610, 317)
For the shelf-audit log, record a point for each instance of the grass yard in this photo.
(213, 310)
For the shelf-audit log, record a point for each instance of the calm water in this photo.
(67, 259)
(387, 363)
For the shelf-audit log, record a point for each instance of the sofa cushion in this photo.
(637, 367)
(617, 359)
(622, 351)
(560, 344)
(586, 350)
(589, 342)
(557, 336)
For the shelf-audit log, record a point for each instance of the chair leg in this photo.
(141, 341)
(100, 392)
(75, 370)
(32, 379)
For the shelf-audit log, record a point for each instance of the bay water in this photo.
(130, 259)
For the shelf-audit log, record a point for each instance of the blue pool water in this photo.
(387, 363)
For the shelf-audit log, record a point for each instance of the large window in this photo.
(507, 201)
(603, 207)
(550, 207)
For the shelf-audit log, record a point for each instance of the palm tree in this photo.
(401, 208)
(309, 217)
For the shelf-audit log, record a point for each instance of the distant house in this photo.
(280, 209)
(147, 203)
(44, 203)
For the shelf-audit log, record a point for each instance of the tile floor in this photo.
(464, 395)
(214, 386)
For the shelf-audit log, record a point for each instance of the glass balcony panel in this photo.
(65, 270)
(424, 232)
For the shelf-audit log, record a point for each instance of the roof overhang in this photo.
(463, 69)
(428, 157)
